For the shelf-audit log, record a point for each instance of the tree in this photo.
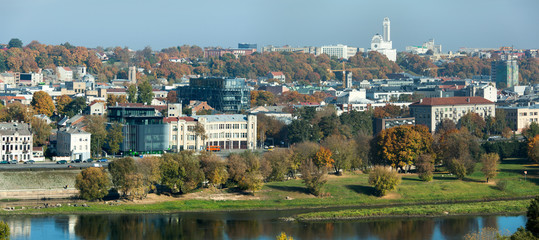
(533, 148)
(16, 112)
(145, 93)
(383, 180)
(283, 236)
(425, 167)
(458, 166)
(532, 224)
(214, 168)
(42, 103)
(459, 150)
(132, 93)
(5, 231)
(322, 158)
(172, 97)
(474, 123)
(314, 177)
(200, 132)
(41, 131)
(75, 107)
(302, 130)
(279, 164)
(301, 152)
(95, 125)
(244, 169)
(531, 131)
(14, 43)
(61, 103)
(92, 183)
(181, 172)
(120, 171)
(149, 169)
(490, 164)
(400, 146)
(114, 138)
(343, 151)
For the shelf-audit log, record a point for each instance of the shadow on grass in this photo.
(516, 161)
(444, 177)
(367, 190)
(412, 179)
(290, 189)
(238, 190)
(466, 179)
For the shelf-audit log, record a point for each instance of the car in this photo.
(30, 162)
(103, 160)
(61, 162)
(76, 161)
(88, 160)
(4, 162)
(13, 162)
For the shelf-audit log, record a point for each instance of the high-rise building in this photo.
(247, 45)
(505, 73)
(383, 44)
(339, 51)
(223, 94)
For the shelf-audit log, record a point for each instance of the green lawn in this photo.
(351, 190)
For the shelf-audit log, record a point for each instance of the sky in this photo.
(167, 23)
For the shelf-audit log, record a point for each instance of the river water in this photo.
(262, 225)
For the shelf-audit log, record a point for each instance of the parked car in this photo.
(88, 160)
(103, 160)
(13, 162)
(76, 161)
(30, 162)
(4, 162)
(61, 162)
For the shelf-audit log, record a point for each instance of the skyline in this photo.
(168, 23)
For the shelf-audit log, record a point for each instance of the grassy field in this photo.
(349, 190)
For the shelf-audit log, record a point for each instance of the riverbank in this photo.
(348, 191)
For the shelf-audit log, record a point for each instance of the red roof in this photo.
(451, 101)
(276, 73)
(456, 87)
(175, 119)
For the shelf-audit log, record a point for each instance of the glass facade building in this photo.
(223, 94)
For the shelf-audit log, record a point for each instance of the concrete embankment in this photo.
(38, 184)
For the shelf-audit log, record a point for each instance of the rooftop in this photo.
(451, 101)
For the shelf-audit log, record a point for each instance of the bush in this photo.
(93, 183)
(532, 224)
(4, 230)
(383, 180)
(425, 167)
(501, 185)
(313, 176)
(490, 164)
(460, 167)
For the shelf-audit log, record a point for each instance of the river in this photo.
(262, 225)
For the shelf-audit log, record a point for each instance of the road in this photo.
(47, 165)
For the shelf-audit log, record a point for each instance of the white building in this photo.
(431, 111)
(233, 131)
(383, 44)
(174, 109)
(64, 74)
(436, 49)
(74, 142)
(98, 108)
(485, 90)
(349, 96)
(339, 51)
(520, 118)
(16, 140)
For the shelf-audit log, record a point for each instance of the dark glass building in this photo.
(223, 94)
(143, 130)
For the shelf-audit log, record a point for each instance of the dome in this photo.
(377, 38)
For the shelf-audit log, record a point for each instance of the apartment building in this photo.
(431, 111)
(75, 143)
(519, 118)
(16, 140)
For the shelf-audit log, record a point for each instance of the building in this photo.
(16, 140)
(436, 49)
(64, 74)
(98, 108)
(234, 131)
(504, 73)
(383, 44)
(223, 94)
(385, 123)
(310, 50)
(431, 111)
(143, 128)
(132, 75)
(351, 96)
(196, 106)
(247, 46)
(277, 75)
(174, 110)
(29, 79)
(485, 90)
(519, 118)
(339, 51)
(219, 52)
(75, 143)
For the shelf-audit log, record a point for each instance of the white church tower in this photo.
(383, 44)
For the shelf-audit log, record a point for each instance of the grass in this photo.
(422, 210)
(348, 190)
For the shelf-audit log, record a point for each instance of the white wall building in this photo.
(75, 143)
(383, 44)
(521, 117)
(430, 45)
(16, 140)
(339, 51)
(64, 74)
(349, 96)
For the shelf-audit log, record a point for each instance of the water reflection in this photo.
(246, 225)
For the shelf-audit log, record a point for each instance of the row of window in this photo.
(15, 147)
(15, 139)
(16, 157)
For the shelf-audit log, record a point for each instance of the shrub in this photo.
(383, 180)
(4, 230)
(532, 224)
(313, 176)
(490, 164)
(501, 185)
(460, 167)
(425, 167)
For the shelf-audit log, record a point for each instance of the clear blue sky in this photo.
(166, 23)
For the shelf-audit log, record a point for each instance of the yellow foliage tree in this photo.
(42, 103)
(322, 158)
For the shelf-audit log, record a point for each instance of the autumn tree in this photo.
(279, 161)
(474, 123)
(16, 112)
(533, 148)
(61, 103)
(172, 97)
(93, 183)
(41, 131)
(301, 152)
(5, 231)
(244, 169)
(145, 93)
(114, 138)
(283, 236)
(42, 103)
(459, 151)
(200, 133)
(148, 168)
(314, 177)
(400, 146)
(262, 98)
(121, 170)
(343, 151)
(490, 164)
(425, 167)
(214, 169)
(383, 180)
